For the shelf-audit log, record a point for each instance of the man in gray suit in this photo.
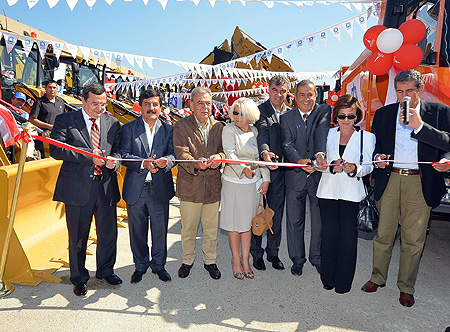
(88, 186)
(148, 184)
(304, 132)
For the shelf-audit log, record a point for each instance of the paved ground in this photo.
(274, 301)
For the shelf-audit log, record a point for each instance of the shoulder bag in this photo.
(263, 220)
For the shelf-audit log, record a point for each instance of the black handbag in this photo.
(368, 217)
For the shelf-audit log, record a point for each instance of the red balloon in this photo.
(413, 31)
(136, 107)
(379, 63)
(408, 56)
(371, 35)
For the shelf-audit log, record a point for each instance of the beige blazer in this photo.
(194, 185)
(237, 147)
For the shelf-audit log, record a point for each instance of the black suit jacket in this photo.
(75, 177)
(433, 142)
(134, 145)
(299, 143)
(269, 134)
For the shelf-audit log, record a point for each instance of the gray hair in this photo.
(409, 76)
(247, 108)
(94, 88)
(200, 89)
(303, 83)
(278, 80)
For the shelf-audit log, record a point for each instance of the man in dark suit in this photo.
(304, 132)
(148, 184)
(407, 191)
(269, 145)
(88, 186)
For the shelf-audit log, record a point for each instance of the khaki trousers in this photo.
(402, 200)
(190, 217)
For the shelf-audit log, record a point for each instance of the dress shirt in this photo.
(277, 112)
(405, 145)
(89, 122)
(204, 129)
(150, 132)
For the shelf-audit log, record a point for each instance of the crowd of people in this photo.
(332, 163)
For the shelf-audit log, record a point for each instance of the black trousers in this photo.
(149, 205)
(275, 200)
(339, 243)
(79, 220)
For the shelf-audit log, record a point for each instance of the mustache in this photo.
(151, 112)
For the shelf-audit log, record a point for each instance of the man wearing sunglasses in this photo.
(304, 133)
(407, 191)
(269, 145)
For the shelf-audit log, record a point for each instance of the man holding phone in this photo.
(406, 190)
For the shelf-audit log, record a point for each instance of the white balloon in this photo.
(389, 40)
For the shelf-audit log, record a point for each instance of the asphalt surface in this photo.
(273, 301)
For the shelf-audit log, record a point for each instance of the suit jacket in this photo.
(300, 143)
(269, 134)
(340, 185)
(193, 185)
(134, 145)
(433, 142)
(75, 176)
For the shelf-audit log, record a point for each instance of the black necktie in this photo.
(305, 119)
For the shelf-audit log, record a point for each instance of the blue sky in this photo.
(188, 33)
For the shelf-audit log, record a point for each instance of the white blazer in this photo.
(340, 185)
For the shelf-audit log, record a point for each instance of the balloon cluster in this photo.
(396, 47)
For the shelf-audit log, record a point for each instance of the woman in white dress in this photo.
(241, 183)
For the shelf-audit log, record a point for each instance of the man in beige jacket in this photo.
(199, 137)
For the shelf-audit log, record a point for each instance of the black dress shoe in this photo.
(184, 270)
(327, 287)
(80, 289)
(137, 276)
(258, 263)
(163, 275)
(276, 263)
(297, 269)
(112, 279)
(213, 271)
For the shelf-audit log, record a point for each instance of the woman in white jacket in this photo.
(241, 183)
(340, 190)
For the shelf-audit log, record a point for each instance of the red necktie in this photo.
(95, 138)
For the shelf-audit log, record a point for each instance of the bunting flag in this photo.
(57, 49)
(205, 71)
(357, 4)
(27, 43)
(42, 45)
(10, 41)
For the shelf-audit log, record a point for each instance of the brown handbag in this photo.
(263, 220)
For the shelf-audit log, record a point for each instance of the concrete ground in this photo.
(273, 301)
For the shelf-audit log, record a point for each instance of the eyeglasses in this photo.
(96, 104)
(343, 116)
(236, 113)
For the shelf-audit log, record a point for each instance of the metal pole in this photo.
(7, 288)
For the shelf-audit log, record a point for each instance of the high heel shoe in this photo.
(249, 275)
(237, 275)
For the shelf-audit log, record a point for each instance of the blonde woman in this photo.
(241, 183)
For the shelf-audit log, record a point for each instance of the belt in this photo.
(97, 177)
(405, 171)
(148, 183)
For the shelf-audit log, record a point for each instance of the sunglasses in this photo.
(236, 113)
(343, 116)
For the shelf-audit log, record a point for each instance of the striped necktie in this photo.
(95, 139)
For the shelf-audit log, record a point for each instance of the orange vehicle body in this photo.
(372, 90)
